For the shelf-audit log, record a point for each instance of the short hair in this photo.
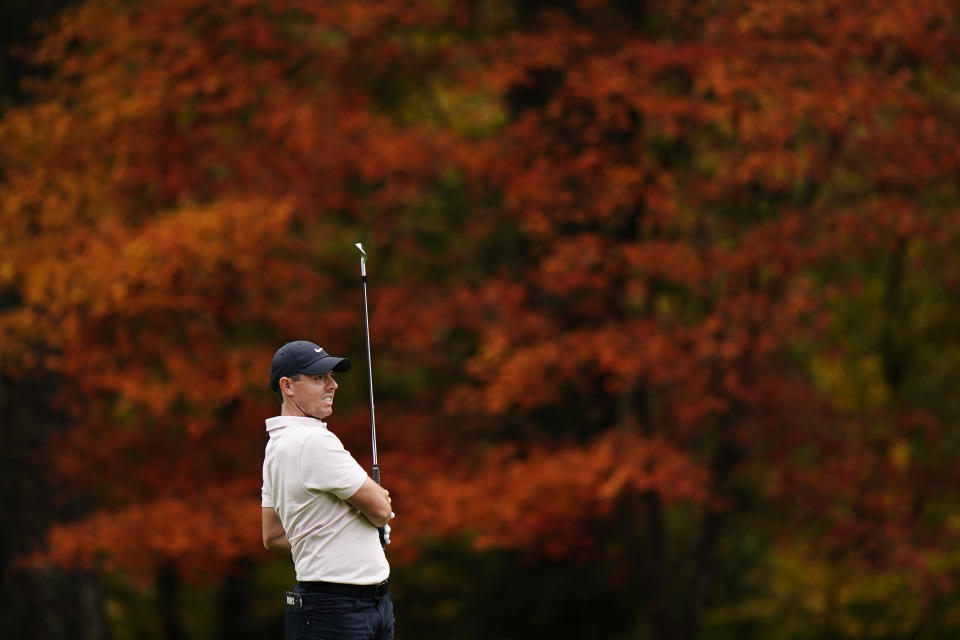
(294, 377)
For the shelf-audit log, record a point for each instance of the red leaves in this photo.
(182, 531)
(549, 499)
(641, 229)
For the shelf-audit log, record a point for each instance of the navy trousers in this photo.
(324, 616)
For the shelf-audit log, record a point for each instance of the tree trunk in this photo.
(724, 460)
(49, 604)
(168, 590)
(234, 605)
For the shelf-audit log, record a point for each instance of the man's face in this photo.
(312, 395)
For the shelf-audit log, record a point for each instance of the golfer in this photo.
(322, 506)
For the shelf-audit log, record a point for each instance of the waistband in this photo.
(362, 591)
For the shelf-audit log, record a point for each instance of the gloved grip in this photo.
(384, 531)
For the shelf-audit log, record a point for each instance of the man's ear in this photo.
(286, 386)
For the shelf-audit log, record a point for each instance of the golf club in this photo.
(375, 472)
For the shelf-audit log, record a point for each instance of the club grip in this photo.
(384, 540)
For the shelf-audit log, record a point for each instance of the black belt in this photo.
(362, 591)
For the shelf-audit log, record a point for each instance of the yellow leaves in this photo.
(798, 589)
(853, 386)
(899, 452)
(470, 112)
(136, 314)
(7, 272)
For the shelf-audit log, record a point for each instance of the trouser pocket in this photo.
(293, 616)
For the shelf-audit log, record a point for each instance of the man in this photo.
(322, 506)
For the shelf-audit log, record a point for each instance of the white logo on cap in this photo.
(319, 349)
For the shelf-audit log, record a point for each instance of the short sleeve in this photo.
(266, 500)
(326, 466)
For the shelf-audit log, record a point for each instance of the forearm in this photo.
(277, 543)
(375, 521)
(274, 535)
(373, 501)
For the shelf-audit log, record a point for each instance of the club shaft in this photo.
(373, 419)
(375, 471)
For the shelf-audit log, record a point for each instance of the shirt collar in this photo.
(278, 422)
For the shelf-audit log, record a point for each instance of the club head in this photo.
(359, 246)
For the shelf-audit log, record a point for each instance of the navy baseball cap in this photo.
(303, 356)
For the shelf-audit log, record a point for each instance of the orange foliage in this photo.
(586, 288)
(551, 499)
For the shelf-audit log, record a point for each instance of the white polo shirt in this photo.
(307, 475)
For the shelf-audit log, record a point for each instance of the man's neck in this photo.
(292, 411)
(295, 411)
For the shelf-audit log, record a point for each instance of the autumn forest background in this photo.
(664, 307)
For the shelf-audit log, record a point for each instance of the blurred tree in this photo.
(43, 604)
(17, 17)
(661, 293)
(36, 603)
(688, 178)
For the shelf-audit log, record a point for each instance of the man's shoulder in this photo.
(288, 437)
(323, 438)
